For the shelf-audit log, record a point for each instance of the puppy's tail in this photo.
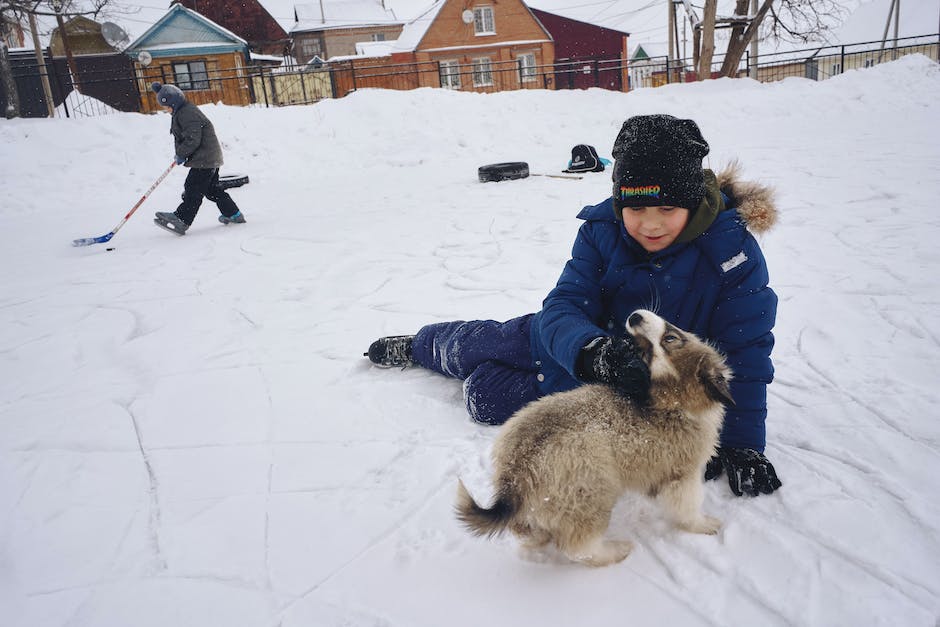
(480, 521)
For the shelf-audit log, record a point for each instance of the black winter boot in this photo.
(391, 351)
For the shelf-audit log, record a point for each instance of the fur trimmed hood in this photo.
(754, 202)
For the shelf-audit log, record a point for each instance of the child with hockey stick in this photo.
(198, 148)
(673, 238)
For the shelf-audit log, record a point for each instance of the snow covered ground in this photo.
(189, 434)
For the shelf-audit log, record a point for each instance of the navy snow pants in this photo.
(204, 183)
(494, 359)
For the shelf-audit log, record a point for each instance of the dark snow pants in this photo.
(494, 359)
(204, 183)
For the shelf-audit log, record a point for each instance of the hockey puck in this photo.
(112, 248)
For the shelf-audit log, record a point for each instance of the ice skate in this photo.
(171, 222)
(238, 218)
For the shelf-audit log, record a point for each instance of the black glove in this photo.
(748, 471)
(617, 363)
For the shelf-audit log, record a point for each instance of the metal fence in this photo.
(108, 83)
(817, 63)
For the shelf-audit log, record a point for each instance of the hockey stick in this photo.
(558, 176)
(88, 241)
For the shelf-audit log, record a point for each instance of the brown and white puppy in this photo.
(562, 462)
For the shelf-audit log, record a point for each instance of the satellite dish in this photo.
(144, 58)
(114, 35)
(467, 16)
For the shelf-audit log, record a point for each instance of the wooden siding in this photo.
(228, 80)
(280, 89)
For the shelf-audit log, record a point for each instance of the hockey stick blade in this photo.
(88, 241)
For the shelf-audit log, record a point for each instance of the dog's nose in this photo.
(635, 319)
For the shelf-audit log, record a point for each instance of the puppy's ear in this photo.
(717, 383)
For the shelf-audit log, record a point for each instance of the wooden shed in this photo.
(186, 49)
(586, 55)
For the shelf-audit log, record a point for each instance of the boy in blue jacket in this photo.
(673, 238)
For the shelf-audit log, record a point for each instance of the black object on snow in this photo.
(232, 180)
(584, 159)
(503, 171)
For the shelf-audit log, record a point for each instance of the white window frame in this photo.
(482, 72)
(378, 36)
(450, 73)
(484, 22)
(526, 62)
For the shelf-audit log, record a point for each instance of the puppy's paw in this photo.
(707, 525)
(605, 553)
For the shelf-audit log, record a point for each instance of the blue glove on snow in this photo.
(180, 160)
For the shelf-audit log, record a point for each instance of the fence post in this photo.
(668, 71)
(842, 61)
(264, 87)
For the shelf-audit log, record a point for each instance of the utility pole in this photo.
(76, 83)
(43, 71)
(672, 28)
(752, 65)
(893, 11)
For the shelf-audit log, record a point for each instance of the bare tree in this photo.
(781, 20)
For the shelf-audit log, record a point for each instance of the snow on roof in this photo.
(172, 23)
(413, 31)
(331, 14)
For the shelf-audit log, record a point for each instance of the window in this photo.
(191, 75)
(482, 72)
(378, 36)
(836, 69)
(450, 74)
(311, 47)
(483, 21)
(526, 67)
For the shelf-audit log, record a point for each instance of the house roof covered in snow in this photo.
(181, 29)
(332, 14)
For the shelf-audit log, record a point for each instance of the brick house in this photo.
(331, 28)
(475, 45)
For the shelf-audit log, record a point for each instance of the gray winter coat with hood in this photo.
(194, 137)
(193, 134)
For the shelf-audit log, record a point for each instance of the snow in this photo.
(191, 436)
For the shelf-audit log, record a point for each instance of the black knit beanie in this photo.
(658, 161)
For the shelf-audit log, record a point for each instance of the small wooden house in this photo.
(331, 28)
(84, 38)
(471, 45)
(194, 53)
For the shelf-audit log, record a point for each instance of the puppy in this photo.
(562, 462)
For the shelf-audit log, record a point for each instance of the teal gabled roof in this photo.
(182, 31)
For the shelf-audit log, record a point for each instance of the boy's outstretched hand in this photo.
(749, 472)
(617, 363)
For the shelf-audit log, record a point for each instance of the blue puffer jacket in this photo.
(714, 286)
